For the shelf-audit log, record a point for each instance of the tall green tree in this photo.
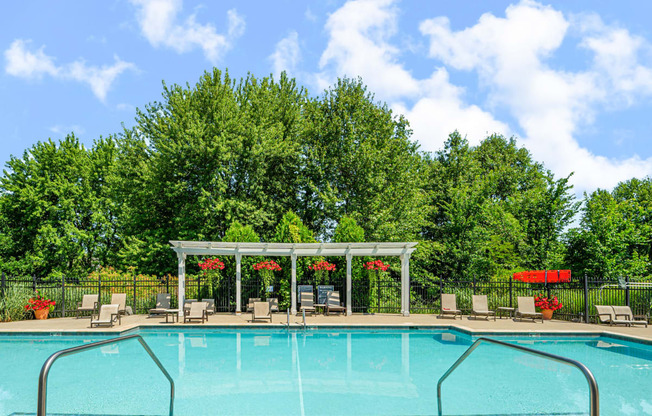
(614, 239)
(206, 156)
(57, 213)
(361, 162)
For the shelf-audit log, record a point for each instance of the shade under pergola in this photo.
(348, 250)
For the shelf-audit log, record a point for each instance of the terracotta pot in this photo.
(547, 313)
(42, 314)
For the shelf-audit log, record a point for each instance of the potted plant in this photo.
(40, 305)
(321, 270)
(211, 269)
(375, 269)
(547, 305)
(266, 270)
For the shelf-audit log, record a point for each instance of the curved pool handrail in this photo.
(594, 396)
(45, 370)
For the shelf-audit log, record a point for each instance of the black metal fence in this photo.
(370, 293)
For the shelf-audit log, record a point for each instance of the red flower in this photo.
(322, 265)
(545, 303)
(376, 265)
(39, 303)
(267, 265)
(211, 264)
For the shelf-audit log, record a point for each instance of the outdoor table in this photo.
(171, 312)
(504, 310)
(318, 306)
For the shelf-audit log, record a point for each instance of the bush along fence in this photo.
(373, 291)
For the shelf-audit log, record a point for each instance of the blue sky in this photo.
(571, 80)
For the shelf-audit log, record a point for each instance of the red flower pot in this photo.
(547, 313)
(42, 314)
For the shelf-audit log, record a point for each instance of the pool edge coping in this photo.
(453, 327)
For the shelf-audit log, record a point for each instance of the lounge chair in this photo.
(162, 304)
(120, 299)
(273, 304)
(307, 302)
(526, 309)
(210, 309)
(107, 315)
(187, 303)
(607, 315)
(481, 307)
(88, 304)
(449, 305)
(197, 311)
(333, 302)
(250, 304)
(625, 312)
(261, 311)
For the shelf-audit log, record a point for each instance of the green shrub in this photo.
(12, 305)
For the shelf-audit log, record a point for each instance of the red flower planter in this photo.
(42, 314)
(547, 313)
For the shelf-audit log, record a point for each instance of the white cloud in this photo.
(98, 78)
(62, 130)
(360, 35)
(286, 54)
(509, 55)
(158, 23)
(34, 65)
(25, 64)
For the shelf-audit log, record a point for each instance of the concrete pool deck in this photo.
(466, 324)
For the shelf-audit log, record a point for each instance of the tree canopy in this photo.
(291, 167)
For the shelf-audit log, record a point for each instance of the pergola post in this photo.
(238, 283)
(293, 256)
(349, 257)
(405, 284)
(182, 281)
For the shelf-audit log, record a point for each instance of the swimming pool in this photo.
(323, 371)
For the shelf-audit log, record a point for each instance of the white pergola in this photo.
(348, 250)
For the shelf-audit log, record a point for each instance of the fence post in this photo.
(167, 283)
(627, 290)
(63, 296)
(134, 311)
(199, 287)
(3, 286)
(99, 288)
(511, 284)
(586, 299)
(34, 283)
(474, 284)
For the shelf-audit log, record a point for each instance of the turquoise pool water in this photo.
(323, 372)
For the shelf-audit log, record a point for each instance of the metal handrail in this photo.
(304, 318)
(45, 370)
(594, 396)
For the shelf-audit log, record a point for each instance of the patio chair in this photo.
(162, 304)
(449, 306)
(626, 313)
(107, 315)
(197, 311)
(261, 310)
(273, 304)
(307, 302)
(210, 309)
(120, 299)
(481, 307)
(88, 304)
(187, 303)
(526, 309)
(333, 302)
(607, 315)
(250, 304)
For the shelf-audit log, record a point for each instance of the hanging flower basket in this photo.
(544, 276)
